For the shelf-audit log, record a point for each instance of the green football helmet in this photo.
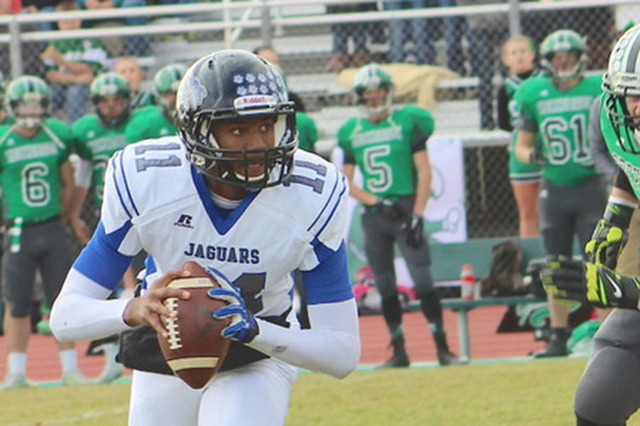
(28, 100)
(166, 80)
(564, 41)
(111, 84)
(623, 79)
(372, 77)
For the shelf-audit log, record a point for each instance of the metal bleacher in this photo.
(304, 53)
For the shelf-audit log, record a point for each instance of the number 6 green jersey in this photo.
(30, 170)
(561, 120)
(384, 150)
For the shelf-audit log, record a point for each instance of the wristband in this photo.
(618, 212)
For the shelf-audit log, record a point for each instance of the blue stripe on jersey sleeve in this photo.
(329, 281)
(100, 259)
(126, 186)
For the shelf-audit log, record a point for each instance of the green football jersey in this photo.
(307, 132)
(384, 151)
(149, 123)
(90, 51)
(629, 163)
(561, 120)
(30, 170)
(97, 143)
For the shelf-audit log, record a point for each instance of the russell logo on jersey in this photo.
(184, 221)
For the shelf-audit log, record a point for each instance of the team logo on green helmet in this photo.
(564, 41)
(109, 84)
(27, 100)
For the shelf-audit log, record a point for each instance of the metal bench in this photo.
(448, 259)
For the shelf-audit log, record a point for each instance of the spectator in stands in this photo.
(423, 34)
(131, 70)
(341, 33)
(552, 119)
(485, 33)
(71, 65)
(37, 241)
(270, 54)
(158, 120)
(393, 141)
(31, 62)
(134, 45)
(519, 56)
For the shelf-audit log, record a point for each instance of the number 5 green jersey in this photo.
(384, 150)
(30, 170)
(561, 119)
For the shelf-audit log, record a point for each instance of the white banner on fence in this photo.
(446, 216)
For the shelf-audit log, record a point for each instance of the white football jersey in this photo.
(154, 200)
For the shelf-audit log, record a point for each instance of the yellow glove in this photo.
(610, 235)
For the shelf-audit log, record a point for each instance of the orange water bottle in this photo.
(468, 280)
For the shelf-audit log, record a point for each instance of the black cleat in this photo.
(449, 358)
(396, 361)
(557, 346)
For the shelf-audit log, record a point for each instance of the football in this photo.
(194, 348)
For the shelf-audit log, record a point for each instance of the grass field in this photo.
(508, 393)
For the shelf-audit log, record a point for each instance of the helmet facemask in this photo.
(564, 75)
(111, 85)
(221, 164)
(377, 110)
(27, 100)
(372, 77)
(625, 125)
(110, 121)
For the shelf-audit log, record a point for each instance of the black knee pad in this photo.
(20, 309)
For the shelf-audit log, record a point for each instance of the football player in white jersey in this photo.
(232, 193)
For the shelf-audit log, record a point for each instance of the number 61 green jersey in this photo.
(384, 150)
(561, 120)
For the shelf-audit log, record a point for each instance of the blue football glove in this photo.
(243, 327)
(610, 235)
(414, 231)
(388, 209)
(591, 283)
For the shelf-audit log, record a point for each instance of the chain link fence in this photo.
(453, 45)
